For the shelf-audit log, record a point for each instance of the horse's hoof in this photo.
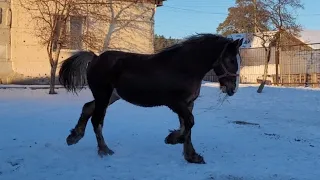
(174, 138)
(71, 140)
(74, 137)
(196, 159)
(104, 151)
(169, 140)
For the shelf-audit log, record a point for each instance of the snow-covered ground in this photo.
(285, 145)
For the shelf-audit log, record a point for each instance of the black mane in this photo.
(199, 39)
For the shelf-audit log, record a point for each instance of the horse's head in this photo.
(227, 67)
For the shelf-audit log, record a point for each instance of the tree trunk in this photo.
(54, 65)
(263, 83)
(53, 78)
(61, 23)
(107, 39)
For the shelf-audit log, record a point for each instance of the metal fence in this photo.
(298, 65)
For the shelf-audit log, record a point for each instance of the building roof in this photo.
(310, 37)
(249, 40)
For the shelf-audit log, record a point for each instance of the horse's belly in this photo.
(152, 89)
(142, 97)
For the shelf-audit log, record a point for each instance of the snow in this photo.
(309, 37)
(285, 145)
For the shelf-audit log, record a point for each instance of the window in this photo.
(59, 22)
(73, 31)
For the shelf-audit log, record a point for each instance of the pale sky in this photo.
(180, 18)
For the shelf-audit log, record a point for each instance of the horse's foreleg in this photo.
(78, 132)
(176, 136)
(188, 150)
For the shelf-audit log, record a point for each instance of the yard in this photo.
(274, 135)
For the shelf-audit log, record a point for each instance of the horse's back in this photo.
(143, 80)
(103, 68)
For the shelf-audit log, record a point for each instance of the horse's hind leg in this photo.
(102, 97)
(78, 132)
(176, 136)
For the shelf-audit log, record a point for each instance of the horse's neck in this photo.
(201, 63)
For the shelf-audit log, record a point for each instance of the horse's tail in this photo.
(73, 71)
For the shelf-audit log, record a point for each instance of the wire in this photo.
(193, 10)
(207, 12)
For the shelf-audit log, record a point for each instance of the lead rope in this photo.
(225, 74)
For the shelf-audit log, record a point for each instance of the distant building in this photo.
(310, 38)
(23, 58)
(299, 58)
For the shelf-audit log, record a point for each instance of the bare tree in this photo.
(106, 21)
(124, 20)
(267, 42)
(282, 20)
(50, 18)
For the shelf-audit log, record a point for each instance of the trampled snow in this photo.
(277, 137)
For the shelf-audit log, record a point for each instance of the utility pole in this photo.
(255, 15)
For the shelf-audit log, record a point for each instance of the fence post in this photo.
(277, 59)
(314, 80)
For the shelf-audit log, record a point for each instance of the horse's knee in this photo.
(192, 121)
(182, 129)
(189, 123)
(88, 108)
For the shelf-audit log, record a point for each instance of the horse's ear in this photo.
(238, 42)
(234, 46)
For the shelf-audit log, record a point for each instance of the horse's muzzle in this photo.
(228, 91)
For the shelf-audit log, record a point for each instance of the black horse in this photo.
(169, 78)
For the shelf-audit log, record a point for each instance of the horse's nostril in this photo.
(223, 89)
(230, 93)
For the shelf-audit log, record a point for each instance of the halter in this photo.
(220, 62)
